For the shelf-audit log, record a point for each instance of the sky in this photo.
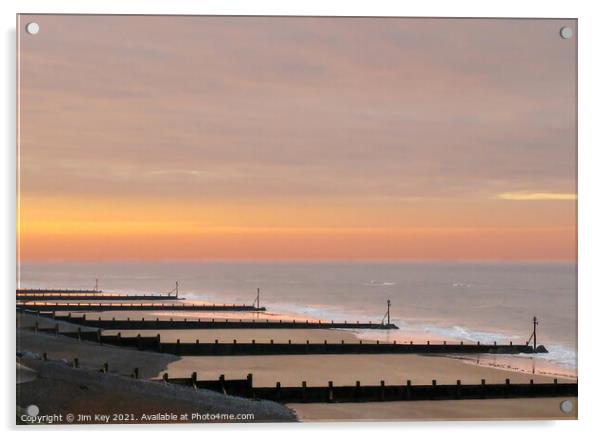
(264, 138)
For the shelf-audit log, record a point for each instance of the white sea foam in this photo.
(375, 283)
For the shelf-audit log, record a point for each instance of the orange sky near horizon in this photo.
(199, 138)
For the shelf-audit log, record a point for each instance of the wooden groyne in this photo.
(362, 393)
(219, 348)
(33, 297)
(156, 324)
(57, 291)
(98, 307)
(379, 393)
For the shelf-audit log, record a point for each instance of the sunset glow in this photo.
(321, 139)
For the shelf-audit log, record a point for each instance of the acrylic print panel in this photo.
(251, 219)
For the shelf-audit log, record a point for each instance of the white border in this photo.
(590, 218)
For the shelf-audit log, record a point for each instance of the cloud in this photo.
(536, 196)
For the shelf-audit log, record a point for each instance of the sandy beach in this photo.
(465, 410)
(290, 370)
(315, 369)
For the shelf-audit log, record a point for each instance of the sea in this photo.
(484, 301)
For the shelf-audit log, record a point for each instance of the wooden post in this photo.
(381, 395)
(304, 390)
(193, 379)
(330, 392)
(250, 392)
(222, 381)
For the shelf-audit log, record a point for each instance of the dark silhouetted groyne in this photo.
(97, 307)
(156, 324)
(49, 297)
(219, 348)
(383, 392)
(56, 291)
(361, 393)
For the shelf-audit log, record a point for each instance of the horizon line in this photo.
(292, 261)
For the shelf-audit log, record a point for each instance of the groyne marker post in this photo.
(535, 323)
(388, 312)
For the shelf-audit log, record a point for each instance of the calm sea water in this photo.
(468, 301)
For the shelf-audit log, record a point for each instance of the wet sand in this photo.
(498, 409)
(317, 370)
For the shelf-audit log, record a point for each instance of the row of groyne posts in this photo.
(382, 392)
(91, 330)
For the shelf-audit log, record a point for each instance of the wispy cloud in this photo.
(536, 196)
